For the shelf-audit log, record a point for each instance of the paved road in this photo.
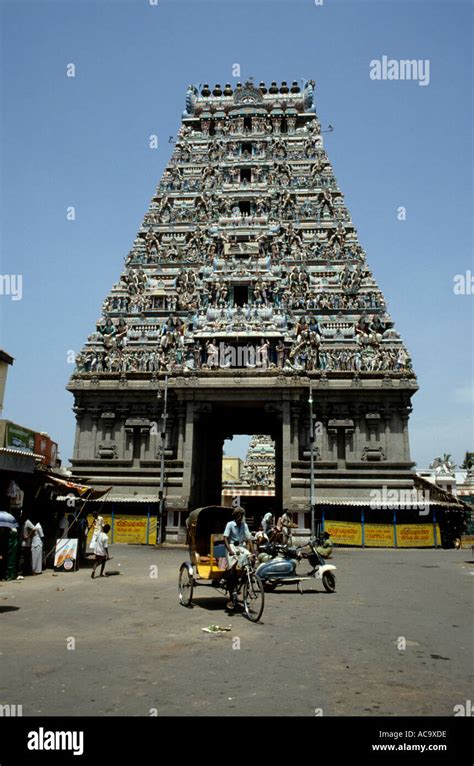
(136, 650)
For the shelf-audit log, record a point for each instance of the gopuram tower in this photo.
(245, 288)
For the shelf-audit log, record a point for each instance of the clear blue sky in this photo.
(83, 142)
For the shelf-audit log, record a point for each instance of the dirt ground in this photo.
(393, 640)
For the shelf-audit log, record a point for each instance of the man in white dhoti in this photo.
(97, 525)
(35, 533)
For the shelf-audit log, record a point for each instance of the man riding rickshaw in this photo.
(221, 555)
(238, 543)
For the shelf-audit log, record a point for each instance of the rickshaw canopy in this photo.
(204, 522)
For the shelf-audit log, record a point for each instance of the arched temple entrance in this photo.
(220, 422)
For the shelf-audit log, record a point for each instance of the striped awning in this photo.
(386, 504)
(109, 500)
(248, 492)
(21, 452)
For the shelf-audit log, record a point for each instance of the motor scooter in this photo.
(279, 568)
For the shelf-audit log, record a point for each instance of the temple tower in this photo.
(245, 287)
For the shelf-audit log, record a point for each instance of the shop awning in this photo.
(18, 461)
(80, 489)
(142, 499)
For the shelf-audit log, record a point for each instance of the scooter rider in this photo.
(325, 547)
(236, 537)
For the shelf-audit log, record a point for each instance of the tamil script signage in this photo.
(383, 535)
(129, 529)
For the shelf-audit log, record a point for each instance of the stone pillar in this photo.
(295, 431)
(188, 452)
(321, 438)
(128, 442)
(95, 418)
(406, 443)
(181, 416)
(387, 422)
(356, 439)
(286, 456)
(278, 474)
(332, 443)
(123, 442)
(349, 437)
(77, 440)
(120, 432)
(144, 435)
(79, 412)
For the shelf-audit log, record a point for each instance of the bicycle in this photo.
(250, 588)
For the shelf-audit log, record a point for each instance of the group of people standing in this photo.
(21, 546)
(30, 541)
(239, 542)
(279, 532)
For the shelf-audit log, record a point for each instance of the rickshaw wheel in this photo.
(254, 597)
(185, 586)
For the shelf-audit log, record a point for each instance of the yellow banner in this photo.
(344, 532)
(90, 520)
(379, 534)
(128, 529)
(408, 535)
(417, 535)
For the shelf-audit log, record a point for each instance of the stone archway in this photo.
(213, 423)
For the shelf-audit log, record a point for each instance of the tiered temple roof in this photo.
(247, 256)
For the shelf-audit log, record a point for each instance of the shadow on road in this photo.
(210, 604)
(291, 591)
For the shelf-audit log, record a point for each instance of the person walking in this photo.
(98, 525)
(101, 551)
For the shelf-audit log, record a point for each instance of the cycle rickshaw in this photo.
(207, 563)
